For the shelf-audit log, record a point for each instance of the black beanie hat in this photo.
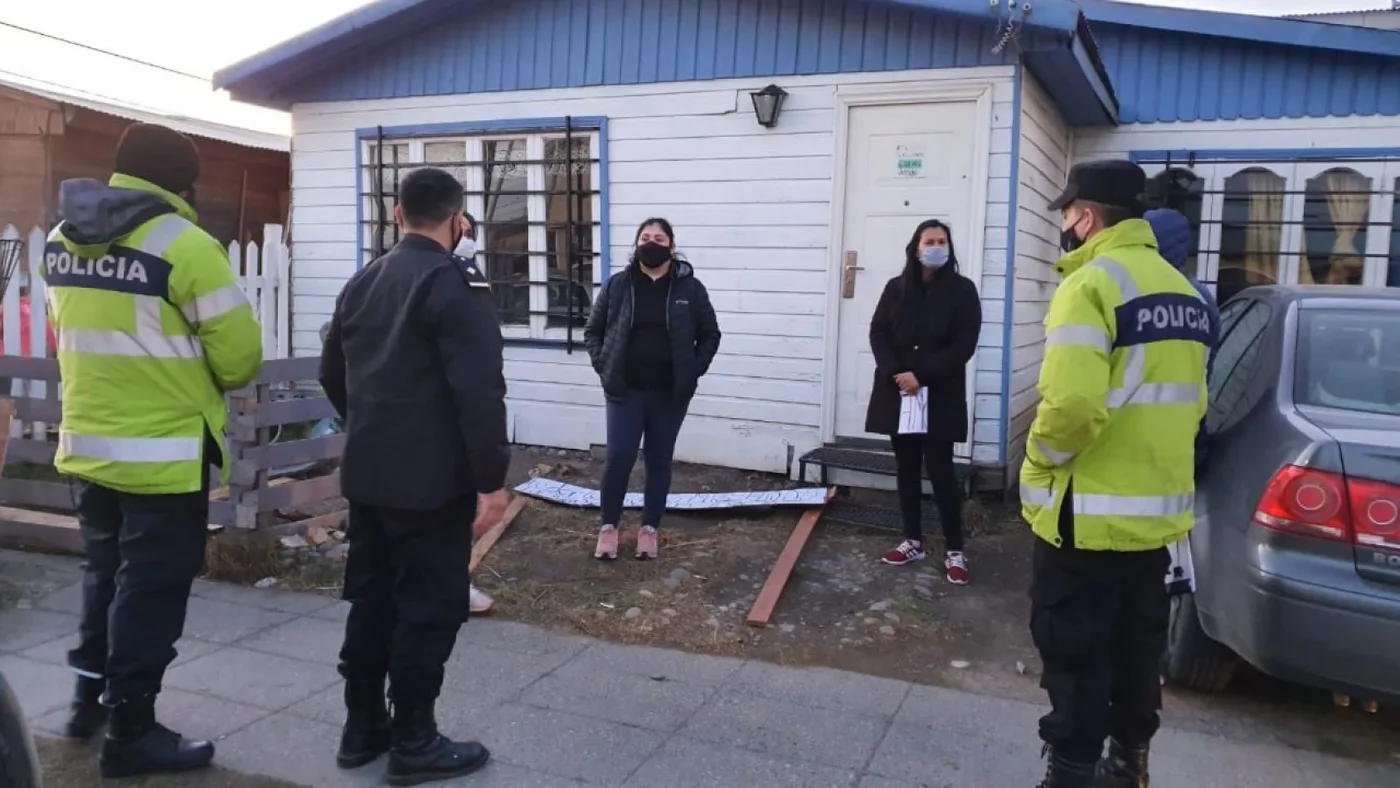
(160, 155)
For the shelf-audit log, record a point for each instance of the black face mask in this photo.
(653, 255)
(1069, 241)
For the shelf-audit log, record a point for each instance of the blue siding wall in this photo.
(530, 44)
(1164, 76)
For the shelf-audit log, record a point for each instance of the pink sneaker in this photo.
(607, 544)
(956, 565)
(646, 543)
(908, 552)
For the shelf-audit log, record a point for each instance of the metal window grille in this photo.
(1285, 220)
(535, 197)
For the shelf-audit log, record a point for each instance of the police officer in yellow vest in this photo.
(152, 330)
(1108, 478)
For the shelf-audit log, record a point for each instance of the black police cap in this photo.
(1115, 182)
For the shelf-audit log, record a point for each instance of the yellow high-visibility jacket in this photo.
(152, 329)
(1123, 390)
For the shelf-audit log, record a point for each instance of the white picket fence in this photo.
(263, 271)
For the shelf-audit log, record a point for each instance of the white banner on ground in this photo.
(1181, 576)
(573, 495)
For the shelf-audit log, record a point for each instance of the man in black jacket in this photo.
(412, 363)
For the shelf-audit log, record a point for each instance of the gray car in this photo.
(19, 764)
(1297, 539)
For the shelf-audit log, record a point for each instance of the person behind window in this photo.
(923, 333)
(651, 335)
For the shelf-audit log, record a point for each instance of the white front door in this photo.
(904, 163)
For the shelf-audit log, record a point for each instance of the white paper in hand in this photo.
(1181, 575)
(913, 412)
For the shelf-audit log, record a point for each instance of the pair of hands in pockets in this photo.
(490, 509)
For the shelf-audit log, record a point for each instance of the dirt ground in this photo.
(842, 607)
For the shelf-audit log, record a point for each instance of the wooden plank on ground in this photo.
(488, 540)
(777, 579)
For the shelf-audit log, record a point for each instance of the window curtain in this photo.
(1348, 202)
(1264, 236)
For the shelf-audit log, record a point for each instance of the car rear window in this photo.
(1349, 359)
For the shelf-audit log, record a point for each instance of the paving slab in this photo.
(787, 730)
(257, 673)
(263, 680)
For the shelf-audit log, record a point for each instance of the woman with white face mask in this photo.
(923, 333)
(466, 249)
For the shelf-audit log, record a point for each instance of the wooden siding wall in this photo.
(80, 143)
(1045, 154)
(752, 210)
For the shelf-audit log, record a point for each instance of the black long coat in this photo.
(935, 346)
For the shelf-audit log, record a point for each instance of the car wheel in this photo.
(1193, 660)
(19, 763)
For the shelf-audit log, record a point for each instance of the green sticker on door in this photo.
(909, 161)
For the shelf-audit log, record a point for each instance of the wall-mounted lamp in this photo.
(768, 104)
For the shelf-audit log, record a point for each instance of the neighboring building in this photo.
(47, 137)
(571, 121)
(1380, 18)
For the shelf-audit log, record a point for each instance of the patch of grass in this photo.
(240, 557)
(74, 765)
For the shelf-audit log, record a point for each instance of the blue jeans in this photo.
(655, 416)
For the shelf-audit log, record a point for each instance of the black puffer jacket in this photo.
(690, 319)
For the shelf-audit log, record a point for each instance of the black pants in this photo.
(913, 455)
(407, 582)
(1099, 620)
(143, 554)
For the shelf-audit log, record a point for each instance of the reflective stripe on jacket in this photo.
(152, 329)
(1122, 390)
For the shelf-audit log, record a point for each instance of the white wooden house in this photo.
(571, 121)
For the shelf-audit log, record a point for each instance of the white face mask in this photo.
(466, 248)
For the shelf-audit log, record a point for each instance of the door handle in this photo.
(848, 276)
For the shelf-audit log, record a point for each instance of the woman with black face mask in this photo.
(922, 335)
(651, 335)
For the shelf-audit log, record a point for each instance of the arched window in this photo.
(1335, 213)
(1251, 232)
(1181, 190)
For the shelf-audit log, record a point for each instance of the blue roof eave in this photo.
(1287, 31)
(260, 79)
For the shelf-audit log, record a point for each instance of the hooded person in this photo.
(1173, 232)
(152, 330)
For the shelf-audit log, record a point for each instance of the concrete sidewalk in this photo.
(256, 673)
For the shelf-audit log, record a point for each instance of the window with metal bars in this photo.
(1289, 220)
(536, 200)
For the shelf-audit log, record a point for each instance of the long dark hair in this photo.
(666, 228)
(913, 301)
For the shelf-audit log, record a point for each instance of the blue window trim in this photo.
(1264, 155)
(591, 123)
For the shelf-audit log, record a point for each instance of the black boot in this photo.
(87, 715)
(1125, 767)
(136, 744)
(1063, 773)
(365, 736)
(420, 754)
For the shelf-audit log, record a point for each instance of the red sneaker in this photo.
(956, 565)
(907, 552)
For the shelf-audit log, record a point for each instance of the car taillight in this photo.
(1304, 501)
(1375, 512)
(1331, 506)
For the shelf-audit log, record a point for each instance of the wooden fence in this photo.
(275, 401)
(262, 270)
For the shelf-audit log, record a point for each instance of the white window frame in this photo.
(536, 211)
